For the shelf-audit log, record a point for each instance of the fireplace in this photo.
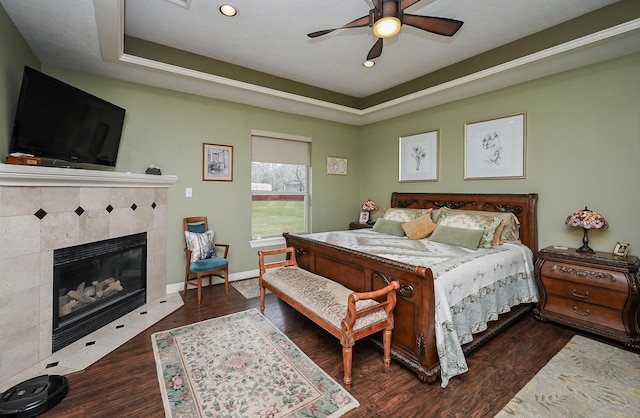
(95, 284)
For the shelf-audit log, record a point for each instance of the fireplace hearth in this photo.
(95, 284)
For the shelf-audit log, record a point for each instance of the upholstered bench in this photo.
(347, 315)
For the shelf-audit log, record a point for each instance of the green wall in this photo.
(583, 141)
(583, 134)
(14, 55)
(168, 129)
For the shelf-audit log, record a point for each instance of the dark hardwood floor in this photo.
(125, 384)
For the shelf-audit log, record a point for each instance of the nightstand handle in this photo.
(585, 313)
(575, 293)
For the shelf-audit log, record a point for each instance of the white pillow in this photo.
(202, 246)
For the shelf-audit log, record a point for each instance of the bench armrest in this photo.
(288, 252)
(388, 305)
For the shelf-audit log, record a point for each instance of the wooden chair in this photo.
(218, 265)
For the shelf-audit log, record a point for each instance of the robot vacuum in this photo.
(33, 397)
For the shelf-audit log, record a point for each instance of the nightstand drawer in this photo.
(585, 293)
(586, 312)
(609, 279)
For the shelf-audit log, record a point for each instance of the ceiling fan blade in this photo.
(407, 3)
(376, 50)
(361, 21)
(437, 25)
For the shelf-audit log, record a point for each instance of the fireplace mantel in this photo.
(38, 176)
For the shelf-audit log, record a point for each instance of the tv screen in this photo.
(60, 122)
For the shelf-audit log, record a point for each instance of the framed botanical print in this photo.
(419, 157)
(495, 148)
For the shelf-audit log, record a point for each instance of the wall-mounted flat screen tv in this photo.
(60, 122)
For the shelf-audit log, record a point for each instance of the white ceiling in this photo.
(270, 36)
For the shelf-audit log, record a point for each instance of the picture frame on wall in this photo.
(495, 148)
(418, 155)
(217, 162)
(337, 166)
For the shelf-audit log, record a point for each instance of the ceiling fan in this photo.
(387, 16)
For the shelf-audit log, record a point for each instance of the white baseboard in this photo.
(177, 287)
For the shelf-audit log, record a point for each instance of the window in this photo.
(279, 184)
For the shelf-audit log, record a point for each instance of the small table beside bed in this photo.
(461, 285)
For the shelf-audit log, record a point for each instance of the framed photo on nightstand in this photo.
(621, 249)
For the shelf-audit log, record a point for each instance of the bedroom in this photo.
(582, 139)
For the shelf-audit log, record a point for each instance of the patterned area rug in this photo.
(250, 288)
(241, 365)
(585, 379)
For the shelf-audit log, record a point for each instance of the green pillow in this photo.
(468, 238)
(390, 227)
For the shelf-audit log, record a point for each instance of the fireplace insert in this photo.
(95, 284)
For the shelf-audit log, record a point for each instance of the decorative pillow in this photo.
(202, 246)
(387, 226)
(404, 215)
(510, 231)
(435, 214)
(483, 223)
(468, 238)
(419, 228)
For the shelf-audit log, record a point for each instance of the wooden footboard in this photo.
(413, 341)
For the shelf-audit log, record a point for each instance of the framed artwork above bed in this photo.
(495, 148)
(419, 157)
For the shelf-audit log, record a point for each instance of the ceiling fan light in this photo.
(369, 63)
(387, 27)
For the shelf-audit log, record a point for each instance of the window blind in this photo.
(272, 147)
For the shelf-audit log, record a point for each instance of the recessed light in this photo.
(228, 10)
(369, 63)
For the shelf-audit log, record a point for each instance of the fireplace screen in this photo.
(95, 284)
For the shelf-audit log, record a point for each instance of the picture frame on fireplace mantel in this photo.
(217, 162)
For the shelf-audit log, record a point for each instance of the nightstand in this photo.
(358, 225)
(598, 293)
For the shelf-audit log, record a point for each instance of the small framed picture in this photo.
(364, 217)
(337, 165)
(621, 249)
(217, 162)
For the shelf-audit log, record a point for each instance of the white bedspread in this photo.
(472, 287)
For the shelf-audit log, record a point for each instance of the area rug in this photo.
(249, 288)
(241, 365)
(585, 379)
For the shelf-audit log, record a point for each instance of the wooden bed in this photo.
(413, 342)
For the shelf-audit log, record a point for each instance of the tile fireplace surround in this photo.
(45, 208)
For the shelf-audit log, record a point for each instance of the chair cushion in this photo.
(208, 264)
(202, 246)
(198, 227)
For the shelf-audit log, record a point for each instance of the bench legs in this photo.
(386, 342)
(347, 360)
(348, 342)
(262, 296)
